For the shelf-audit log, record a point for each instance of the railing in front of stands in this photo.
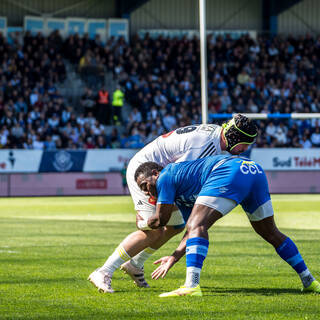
(265, 116)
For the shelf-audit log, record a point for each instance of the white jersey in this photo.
(183, 144)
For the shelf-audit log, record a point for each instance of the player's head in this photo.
(146, 177)
(239, 133)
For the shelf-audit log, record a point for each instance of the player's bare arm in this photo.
(161, 217)
(166, 263)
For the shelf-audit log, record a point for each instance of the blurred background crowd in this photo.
(158, 89)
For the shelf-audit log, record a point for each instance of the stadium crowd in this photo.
(161, 81)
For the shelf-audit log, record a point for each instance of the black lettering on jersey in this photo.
(186, 129)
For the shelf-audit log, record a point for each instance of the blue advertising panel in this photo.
(34, 24)
(118, 28)
(76, 26)
(97, 26)
(54, 24)
(62, 161)
(3, 25)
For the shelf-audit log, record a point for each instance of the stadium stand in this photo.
(161, 81)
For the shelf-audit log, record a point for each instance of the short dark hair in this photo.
(146, 169)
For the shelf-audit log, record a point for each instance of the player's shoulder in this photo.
(166, 175)
(167, 170)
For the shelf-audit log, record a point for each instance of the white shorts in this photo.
(224, 206)
(145, 205)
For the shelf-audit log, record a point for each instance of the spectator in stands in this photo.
(135, 116)
(243, 77)
(225, 101)
(265, 75)
(101, 142)
(37, 144)
(89, 120)
(305, 142)
(4, 133)
(17, 131)
(104, 115)
(89, 143)
(88, 101)
(117, 104)
(169, 121)
(271, 129)
(280, 135)
(113, 140)
(315, 137)
(53, 122)
(49, 144)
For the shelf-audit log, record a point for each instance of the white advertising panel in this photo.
(107, 160)
(20, 160)
(287, 159)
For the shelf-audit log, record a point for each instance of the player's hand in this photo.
(165, 264)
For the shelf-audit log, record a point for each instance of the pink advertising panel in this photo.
(52, 184)
(4, 185)
(294, 181)
(56, 184)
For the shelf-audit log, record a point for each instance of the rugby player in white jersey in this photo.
(183, 144)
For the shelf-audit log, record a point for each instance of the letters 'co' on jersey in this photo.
(183, 144)
(231, 177)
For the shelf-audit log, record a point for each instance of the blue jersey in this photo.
(231, 177)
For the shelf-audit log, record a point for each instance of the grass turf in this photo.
(48, 247)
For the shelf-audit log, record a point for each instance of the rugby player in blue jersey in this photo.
(205, 190)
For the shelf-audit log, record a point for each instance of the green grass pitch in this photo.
(49, 246)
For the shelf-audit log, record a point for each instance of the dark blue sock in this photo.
(196, 251)
(289, 252)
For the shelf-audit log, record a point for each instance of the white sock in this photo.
(193, 277)
(118, 257)
(139, 259)
(306, 278)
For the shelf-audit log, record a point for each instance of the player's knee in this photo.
(174, 230)
(195, 228)
(157, 234)
(193, 224)
(154, 235)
